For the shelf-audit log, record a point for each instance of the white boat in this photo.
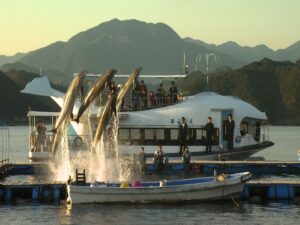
(149, 127)
(173, 191)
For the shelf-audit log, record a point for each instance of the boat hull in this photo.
(204, 191)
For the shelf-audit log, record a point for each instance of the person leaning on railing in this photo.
(173, 93)
(161, 95)
(144, 94)
(136, 96)
(152, 99)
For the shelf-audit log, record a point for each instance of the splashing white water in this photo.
(105, 165)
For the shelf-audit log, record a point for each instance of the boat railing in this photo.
(4, 141)
(138, 101)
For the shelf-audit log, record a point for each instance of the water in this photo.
(212, 213)
(287, 143)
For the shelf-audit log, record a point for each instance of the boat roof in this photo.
(196, 110)
(42, 114)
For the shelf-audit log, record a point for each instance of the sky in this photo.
(27, 25)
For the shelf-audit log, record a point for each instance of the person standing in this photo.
(144, 94)
(209, 128)
(229, 132)
(159, 158)
(173, 93)
(183, 133)
(160, 95)
(142, 160)
(136, 96)
(41, 138)
(186, 158)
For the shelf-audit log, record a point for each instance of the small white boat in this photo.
(195, 189)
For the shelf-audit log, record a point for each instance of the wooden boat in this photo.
(172, 191)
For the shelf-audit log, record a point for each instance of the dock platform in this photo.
(282, 180)
(208, 167)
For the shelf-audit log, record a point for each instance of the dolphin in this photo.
(108, 110)
(126, 86)
(95, 91)
(67, 108)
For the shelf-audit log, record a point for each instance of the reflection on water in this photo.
(212, 213)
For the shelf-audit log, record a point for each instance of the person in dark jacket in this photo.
(144, 94)
(183, 133)
(136, 96)
(229, 132)
(186, 158)
(173, 93)
(209, 128)
(158, 158)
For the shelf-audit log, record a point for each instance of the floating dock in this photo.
(263, 189)
(208, 167)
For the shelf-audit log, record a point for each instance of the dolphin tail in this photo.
(76, 119)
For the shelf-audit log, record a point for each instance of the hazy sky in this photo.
(30, 24)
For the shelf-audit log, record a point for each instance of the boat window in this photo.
(251, 127)
(174, 134)
(149, 134)
(123, 134)
(135, 134)
(243, 128)
(199, 134)
(160, 134)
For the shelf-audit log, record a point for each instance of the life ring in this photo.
(238, 139)
(78, 142)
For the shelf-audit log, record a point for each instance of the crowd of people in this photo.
(143, 98)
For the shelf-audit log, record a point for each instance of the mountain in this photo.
(14, 105)
(291, 53)
(9, 59)
(123, 45)
(55, 77)
(251, 54)
(273, 87)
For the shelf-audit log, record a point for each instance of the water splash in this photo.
(105, 165)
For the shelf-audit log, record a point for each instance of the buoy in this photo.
(56, 194)
(136, 184)
(8, 194)
(1, 194)
(35, 193)
(47, 194)
(124, 185)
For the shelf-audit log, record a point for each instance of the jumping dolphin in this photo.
(95, 91)
(66, 111)
(126, 86)
(109, 108)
